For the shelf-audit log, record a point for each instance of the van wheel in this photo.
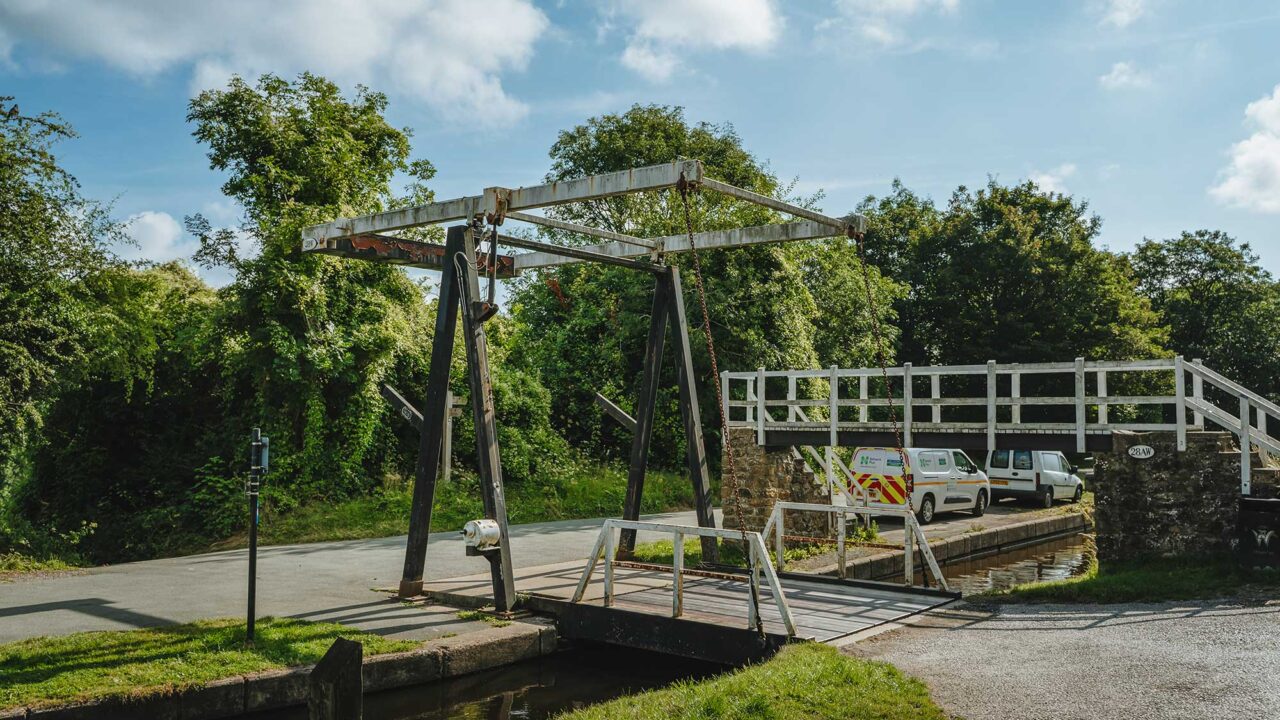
(1046, 498)
(1079, 494)
(926, 510)
(980, 505)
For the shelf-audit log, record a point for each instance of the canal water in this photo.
(533, 689)
(1054, 560)
(589, 674)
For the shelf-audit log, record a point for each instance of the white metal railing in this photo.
(912, 534)
(753, 409)
(757, 563)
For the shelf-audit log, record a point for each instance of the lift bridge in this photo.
(715, 611)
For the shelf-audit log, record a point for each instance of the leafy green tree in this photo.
(585, 325)
(1007, 273)
(1218, 302)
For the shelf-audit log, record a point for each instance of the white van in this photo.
(937, 479)
(1041, 475)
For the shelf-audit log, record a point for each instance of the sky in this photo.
(1164, 116)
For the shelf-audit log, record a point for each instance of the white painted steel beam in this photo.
(653, 177)
(709, 240)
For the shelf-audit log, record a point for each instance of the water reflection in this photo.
(1054, 560)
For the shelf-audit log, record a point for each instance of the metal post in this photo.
(840, 549)
(906, 403)
(644, 413)
(935, 392)
(434, 411)
(1080, 416)
(791, 398)
(1180, 407)
(908, 549)
(991, 409)
(677, 570)
(760, 406)
(257, 468)
(1102, 393)
(609, 558)
(489, 462)
(1015, 393)
(695, 446)
(779, 543)
(863, 408)
(1246, 472)
(833, 424)
(724, 393)
(1197, 392)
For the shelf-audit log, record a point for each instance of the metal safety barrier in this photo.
(757, 564)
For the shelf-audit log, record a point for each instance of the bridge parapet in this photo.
(1071, 406)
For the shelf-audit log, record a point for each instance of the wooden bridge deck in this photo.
(823, 609)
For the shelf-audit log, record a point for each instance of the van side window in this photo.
(1049, 461)
(962, 461)
(999, 459)
(1021, 459)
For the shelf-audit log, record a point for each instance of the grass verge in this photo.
(13, 564)
(133, 663)
(802, 682)
(1152, 580)
(594, 491)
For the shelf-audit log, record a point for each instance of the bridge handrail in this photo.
(756, 404)
(757, 562)
(912, 534)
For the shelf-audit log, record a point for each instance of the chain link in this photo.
(728, 471)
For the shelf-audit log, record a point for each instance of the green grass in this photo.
(803, 682)
(1152, 580)
(482, 617)
(594, 491)
(15, 563)
(92, 665)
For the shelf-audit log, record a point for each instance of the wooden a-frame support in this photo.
(459, 294)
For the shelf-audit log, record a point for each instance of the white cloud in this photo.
(449, 54)
(666, 30)
(882, 22)
(1053, 180)
(1122, 76)
(1122, 13)
(158, 235)
(1252, 179)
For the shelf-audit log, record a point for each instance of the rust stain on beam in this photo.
(399, 251)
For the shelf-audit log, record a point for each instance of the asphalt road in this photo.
(1162, 661)
(319, 581)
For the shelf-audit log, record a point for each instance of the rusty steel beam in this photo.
(399, 251)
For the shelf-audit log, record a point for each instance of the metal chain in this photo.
(877, 334)
(728, 471)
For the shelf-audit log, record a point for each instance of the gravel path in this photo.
(1135, 661)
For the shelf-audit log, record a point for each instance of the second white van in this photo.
(1039, 475)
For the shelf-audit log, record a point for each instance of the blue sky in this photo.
(1164, 115)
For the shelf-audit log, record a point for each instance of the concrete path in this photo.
(1059, 662)
(320, 581)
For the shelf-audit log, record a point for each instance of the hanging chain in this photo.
(728, 471)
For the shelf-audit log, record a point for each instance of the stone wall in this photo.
(765, 476)
(1173, 503)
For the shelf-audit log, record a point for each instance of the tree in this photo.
(1007, 273)
(306, 340)
(586, 325)
(1218, 302)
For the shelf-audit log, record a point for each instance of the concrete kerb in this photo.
(272, 689)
